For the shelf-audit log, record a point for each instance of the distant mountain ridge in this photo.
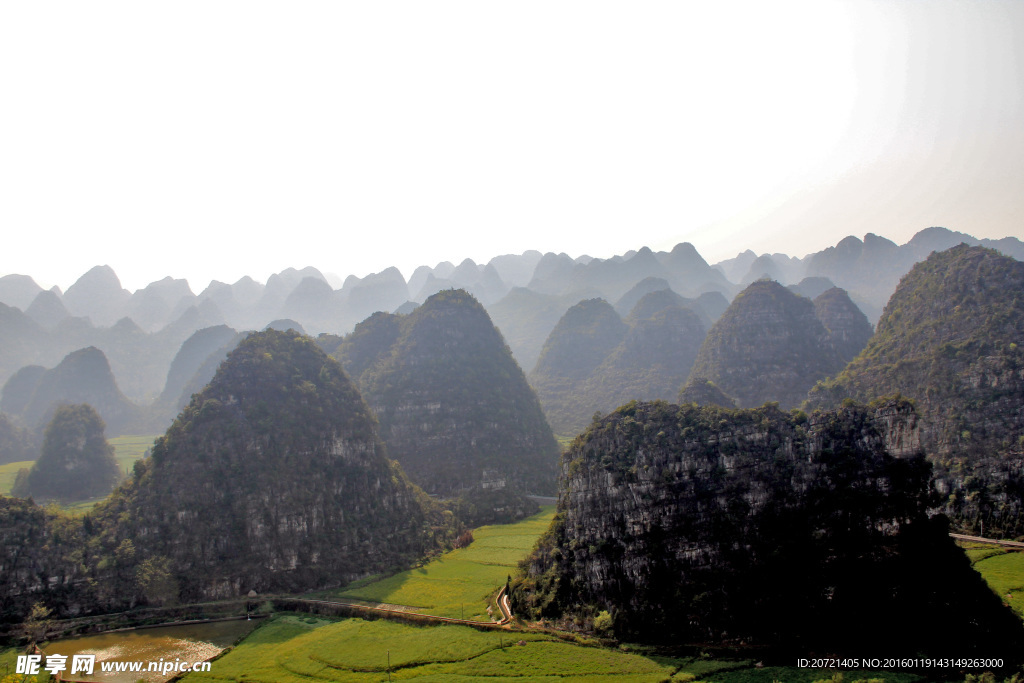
(594, 361)
(141, 332)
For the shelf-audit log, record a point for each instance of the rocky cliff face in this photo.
(768, 346)
(454, 408)
(951, 339)
(757, 526)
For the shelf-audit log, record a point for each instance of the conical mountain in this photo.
(383, 291)
(689, 272)
(812, 287)
(767, 346)
(763, 267)
(190, 357)
(76, 461)
(651, 363)
(455, 410)
(19, 389)
(951, 338)
(273, 478)
(18, 290)
(760, 525)
(22, 341)
(368, 343)
(630, 299)
(47, 309)
(847, 326)
(580, 342)
(83, 376)
(97, 295)
(313, 304)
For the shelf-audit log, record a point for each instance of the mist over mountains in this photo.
(140, 335)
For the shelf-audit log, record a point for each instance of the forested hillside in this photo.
(454, 407)
(759, 527)
(950, 339)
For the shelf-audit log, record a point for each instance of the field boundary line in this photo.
(501, 600)
(994, 541)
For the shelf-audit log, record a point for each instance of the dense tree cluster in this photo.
(76, 461)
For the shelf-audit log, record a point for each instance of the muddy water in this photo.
(187, 643)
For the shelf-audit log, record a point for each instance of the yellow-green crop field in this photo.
(459, 583)
(293, 648)
(128, 449)
(8, 473)
(1004, 572)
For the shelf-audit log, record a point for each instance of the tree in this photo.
(38, 622)
(76, 461)
(156, 582)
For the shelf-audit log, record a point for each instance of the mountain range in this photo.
(141, 332)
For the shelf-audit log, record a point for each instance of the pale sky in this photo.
(210, 140)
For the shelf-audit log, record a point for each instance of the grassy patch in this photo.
(8, 473)
(128, 449)
(458, 583)
(1004, 572)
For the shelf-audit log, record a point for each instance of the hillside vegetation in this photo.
(76, 462)
(454, 407)
(769, 345)
(593, 361)
(715, 525)
(271, 479)
(952, 339)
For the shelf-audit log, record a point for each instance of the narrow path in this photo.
(993, 541)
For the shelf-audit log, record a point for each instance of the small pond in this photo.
(187, 642)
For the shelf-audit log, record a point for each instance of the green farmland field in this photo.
(8, 472)
(293, 648)
(128, 449)
(459, 582)
(1004, 572)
